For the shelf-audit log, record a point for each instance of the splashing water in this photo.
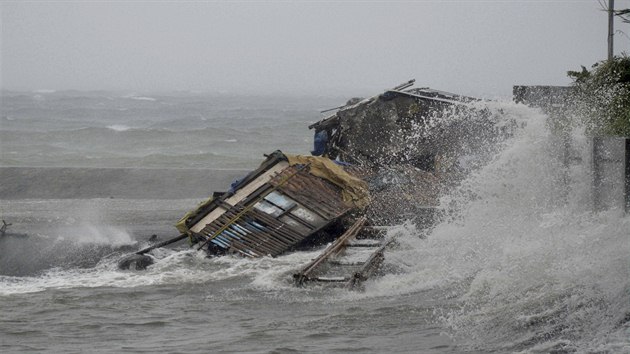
(173, 267)
(530, 266)
(522, 260)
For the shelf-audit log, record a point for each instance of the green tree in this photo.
(602, 96)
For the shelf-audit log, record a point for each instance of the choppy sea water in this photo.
(518, 265)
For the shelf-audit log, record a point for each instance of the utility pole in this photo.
(611, 33)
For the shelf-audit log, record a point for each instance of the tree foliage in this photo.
(602, 96)
(624, 14)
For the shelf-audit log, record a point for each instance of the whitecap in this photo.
(142, 98)
(119, 127)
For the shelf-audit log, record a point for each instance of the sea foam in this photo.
(526, 261)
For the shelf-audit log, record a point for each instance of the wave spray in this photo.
(522, 259)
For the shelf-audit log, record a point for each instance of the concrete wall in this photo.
(128, 183)
(610, 169)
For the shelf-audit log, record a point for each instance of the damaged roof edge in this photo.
(439, 96)
(198, 214)
(424, 93)
(362, 102)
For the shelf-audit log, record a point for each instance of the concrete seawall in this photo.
(128, 183)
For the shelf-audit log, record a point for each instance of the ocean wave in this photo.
(525, 264)
(142, 98)
(161, 129)
(171, 267)
(119, 127)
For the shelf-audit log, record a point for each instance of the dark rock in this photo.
(135, 262)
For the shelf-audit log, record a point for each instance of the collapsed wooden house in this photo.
(411, 145)
(288, 202)
(398, 127)
(376, 161)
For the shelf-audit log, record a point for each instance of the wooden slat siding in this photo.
(284, 227)
(266, 240)
(260, 237)
(288, 214)
(323, 194)
(243, 249)
(220, 241)
(332, 199)
(277, 226)
(286, 239)
(315, 206)
(252, 245)
(214, 226)
(259, 244)
(246, 243)
(300, 221)
(314, 193)
(326, 203)
(236, 246)
(258, 241)
(221, 220)
(257, 234)
(272, 241)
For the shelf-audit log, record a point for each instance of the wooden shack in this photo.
(288, 202)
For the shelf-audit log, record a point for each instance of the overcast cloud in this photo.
(472, 47)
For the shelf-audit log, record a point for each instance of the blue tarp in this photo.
(319, 143)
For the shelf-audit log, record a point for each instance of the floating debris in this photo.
(3, 228)
(350, 259)
(4, 232)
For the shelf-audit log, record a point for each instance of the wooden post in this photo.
(162, 244)
(3, 228)
(597, 177)
(627, 189)
(611, 33)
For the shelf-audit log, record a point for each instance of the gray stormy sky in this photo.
(305, 47)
